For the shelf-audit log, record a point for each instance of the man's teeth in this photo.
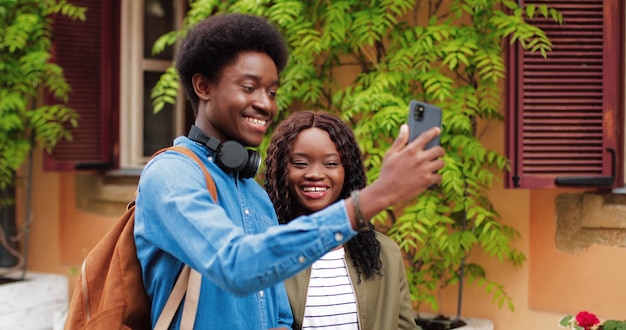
(314, 189)
(256, 121)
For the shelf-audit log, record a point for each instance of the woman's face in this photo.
(315, 171)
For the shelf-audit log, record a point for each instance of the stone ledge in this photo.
(603, 211)
(583, 219)
(104, 194)
(31, 304)
(477, 324)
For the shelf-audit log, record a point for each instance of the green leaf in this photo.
(26, 73)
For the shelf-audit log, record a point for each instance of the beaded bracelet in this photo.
(362, 224)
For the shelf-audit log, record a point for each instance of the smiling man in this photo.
(229, 66)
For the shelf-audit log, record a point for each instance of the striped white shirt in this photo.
(330, 302)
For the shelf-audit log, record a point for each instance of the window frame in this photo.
(133, 66)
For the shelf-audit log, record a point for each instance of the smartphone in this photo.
(422, 117)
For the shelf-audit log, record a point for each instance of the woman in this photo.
(364, 287)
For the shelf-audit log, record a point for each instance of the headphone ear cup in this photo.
(252, 165)
(232, 156)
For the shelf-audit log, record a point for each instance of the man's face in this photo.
(242, 104)
(316, 174)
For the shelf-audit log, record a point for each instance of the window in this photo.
(142, 131)
(565, 112)
(109, 64)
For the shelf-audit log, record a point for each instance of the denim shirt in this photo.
(236, 244)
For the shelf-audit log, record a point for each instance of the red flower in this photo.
(586, 320)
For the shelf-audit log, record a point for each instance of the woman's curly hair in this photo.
(216, 41)
(364, 248)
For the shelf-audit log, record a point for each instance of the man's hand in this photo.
(407, 170)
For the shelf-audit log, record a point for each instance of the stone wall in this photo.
(590, 218)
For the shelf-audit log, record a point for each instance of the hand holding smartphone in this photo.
(422, 117)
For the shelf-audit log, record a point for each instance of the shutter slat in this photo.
(536, 66)
(77, 49)
(562, 105)
(84, 50)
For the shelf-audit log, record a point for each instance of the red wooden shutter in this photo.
(565, 112)
(88, 52)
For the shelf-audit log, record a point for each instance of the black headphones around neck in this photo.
(231, 156)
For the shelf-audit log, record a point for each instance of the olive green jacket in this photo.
(383, 303)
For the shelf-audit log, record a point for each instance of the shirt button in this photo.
(261, 294)
(301, 259)
(246, 211)
(338, 237)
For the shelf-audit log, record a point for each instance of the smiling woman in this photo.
(323, 166)
(315, 171)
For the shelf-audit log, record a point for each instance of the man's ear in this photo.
(201, 86)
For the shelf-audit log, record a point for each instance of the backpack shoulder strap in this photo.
(188, 282)
(186, 151)
(187, 285)
(192, 299)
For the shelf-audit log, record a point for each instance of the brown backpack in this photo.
(109, 292)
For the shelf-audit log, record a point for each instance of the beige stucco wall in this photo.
(552, 282)
(60, 235)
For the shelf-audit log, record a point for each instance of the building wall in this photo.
(552, 282)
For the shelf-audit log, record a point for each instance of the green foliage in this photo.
(25, 72)
(614, 325)
(365, 61)
(166, 91)
(566, 320)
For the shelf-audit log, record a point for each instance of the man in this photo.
(229, 66)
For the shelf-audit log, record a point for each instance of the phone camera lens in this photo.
(419, 115)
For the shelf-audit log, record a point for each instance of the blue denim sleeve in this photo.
(176, 216)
